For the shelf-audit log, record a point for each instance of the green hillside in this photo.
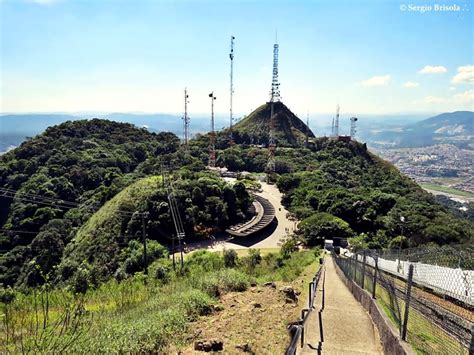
(61, 193)
(289, 129)
(101, 245)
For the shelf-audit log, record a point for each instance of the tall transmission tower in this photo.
(353, 126)
(336, 122)
(274, 97)
(212, 146)
(231, 57)
(186, 120)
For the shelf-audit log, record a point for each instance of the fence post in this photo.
(363, 269)
(374, 283)
(407, 302)
(310, 303)
(354, 276)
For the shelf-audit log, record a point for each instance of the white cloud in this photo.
(433, 69)
(452, 88)
(381, 80)
(465, 97)
(44, 2)
(432, 100)
(465, 75)
(411, 84)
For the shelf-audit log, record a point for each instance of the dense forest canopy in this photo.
(63, 192)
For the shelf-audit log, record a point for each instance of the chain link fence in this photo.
(426, 292)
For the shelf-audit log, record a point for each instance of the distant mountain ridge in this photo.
(447, 128)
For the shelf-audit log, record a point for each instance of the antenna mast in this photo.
(231, 56)
(212, 146)
(274, 97)
(186, 120)
(353, 126)
(336, 122)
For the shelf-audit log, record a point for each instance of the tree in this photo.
(314, 229)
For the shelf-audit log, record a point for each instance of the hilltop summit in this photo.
(254, 128)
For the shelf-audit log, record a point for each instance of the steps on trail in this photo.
(264, 215)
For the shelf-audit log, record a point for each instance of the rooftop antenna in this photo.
(186, 120)
(212, 146)
(353, 126)
(274, 97)
(231, 56)
(336, 122)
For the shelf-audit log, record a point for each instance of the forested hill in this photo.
(289, 130)
(60, 177)
(63, 195)
(76, 189)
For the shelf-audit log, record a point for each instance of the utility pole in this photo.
(231, 56)
(145, 256)
(212, 147)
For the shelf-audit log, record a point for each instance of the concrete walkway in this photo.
(347, 327)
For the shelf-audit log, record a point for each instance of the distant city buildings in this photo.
(438, 162)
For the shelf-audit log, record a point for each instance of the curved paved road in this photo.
(270, 239)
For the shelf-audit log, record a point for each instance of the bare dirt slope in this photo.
(255, 320)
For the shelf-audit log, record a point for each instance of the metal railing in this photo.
(297, 329)
(432, 310)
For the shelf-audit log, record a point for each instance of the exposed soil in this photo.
(254, 321)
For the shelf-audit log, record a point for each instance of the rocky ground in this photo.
(254, 321)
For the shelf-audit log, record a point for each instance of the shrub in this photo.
(162, 273)
(203, 260)
(195, 303)
(233, 280)
(288, 247)
(254, 258)
(230, 258)
(80, 281)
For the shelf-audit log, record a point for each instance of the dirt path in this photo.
(347, 327)
(270, 238)
(255, 320)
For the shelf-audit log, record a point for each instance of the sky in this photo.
(373, 57)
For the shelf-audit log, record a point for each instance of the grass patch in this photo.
(139, 314)
(446, 189)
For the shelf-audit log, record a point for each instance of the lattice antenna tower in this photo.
(231, 114)
(186, 120)
(274, 97)
(212, 146)
(336, 122)
(353, 126)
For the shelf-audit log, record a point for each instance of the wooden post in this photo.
(407, 302)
